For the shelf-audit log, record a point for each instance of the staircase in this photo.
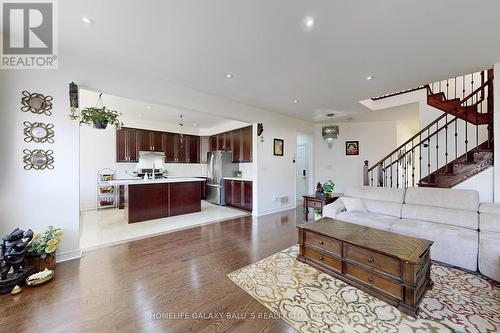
(451, 149)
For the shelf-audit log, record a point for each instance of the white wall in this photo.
(36, 199)
(376, 139)
(482, 182)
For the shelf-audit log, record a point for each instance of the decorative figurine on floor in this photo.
(12, 258)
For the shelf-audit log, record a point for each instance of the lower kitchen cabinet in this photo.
(239, 194)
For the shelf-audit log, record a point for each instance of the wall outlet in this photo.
(275, 198)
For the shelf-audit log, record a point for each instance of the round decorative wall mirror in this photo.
(38, 159)
(36, 103)
(38, 132)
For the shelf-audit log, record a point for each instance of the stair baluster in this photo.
(468, 109)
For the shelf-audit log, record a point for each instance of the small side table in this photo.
(316, 203)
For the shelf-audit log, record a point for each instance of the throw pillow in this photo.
(354, 205)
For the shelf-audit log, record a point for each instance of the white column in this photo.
(496, 132)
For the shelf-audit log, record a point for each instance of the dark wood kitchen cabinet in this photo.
(151, 141)
(129, 141)
(169, 146)
(246, 138)
(127, 145)
(213, 143)
(239, 194)
(238, 141)
(193, 153)
(180, 148)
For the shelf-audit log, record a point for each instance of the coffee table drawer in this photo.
(374, 280)
(369, 258)
(324, 259)
(328, 244)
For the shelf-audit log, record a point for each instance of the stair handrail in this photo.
(444, 115)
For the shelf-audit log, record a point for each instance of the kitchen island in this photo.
(157, 198)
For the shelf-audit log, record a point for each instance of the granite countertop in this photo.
(239, 178)
(154, 181)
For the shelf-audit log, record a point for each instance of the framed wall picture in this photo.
(278, 147)
(352, 147)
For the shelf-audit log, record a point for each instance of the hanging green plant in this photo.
(100, 117)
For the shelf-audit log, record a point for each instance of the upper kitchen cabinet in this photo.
(213, 143)
(193, 153)
(238, 141)
(246, 138)
(127, 145)
(151, 141)
(169, 147)
(180, 148)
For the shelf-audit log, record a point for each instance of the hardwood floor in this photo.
(123, 288)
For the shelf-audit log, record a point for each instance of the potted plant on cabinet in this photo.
(100, 117)
(41, 251)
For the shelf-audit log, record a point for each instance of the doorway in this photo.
(303, 163)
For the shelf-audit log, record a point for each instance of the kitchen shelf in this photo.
(106, 193)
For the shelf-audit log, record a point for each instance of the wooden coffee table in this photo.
(392, 267)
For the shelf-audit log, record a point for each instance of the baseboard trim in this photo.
(69, 255)
(276, 210)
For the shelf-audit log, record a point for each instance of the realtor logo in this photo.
(29, 35)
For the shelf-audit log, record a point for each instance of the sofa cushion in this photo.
(457, 217)
(354, 205)
(453, 245)
(377, 193)
(383, 207)
(489, 217)
(444, 198)
(378, 221)
(489, 254)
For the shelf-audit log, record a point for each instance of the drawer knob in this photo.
(321, 258)
(370, 279)
(370, 259)
(321, 242)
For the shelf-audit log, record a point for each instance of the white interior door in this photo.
(301, 170)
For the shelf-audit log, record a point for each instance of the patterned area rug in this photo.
(312, 301)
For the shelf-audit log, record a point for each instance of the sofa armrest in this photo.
(331, 210)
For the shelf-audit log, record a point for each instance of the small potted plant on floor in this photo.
(41, 251)
(100, 117)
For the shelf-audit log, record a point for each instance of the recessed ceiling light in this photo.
(139, 115)
(87, 20)
(149, 107)
(368, 78)
(295, 101)
(308, 23)
(229, 76)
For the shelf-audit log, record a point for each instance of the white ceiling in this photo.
(274, 59)
(135, 112)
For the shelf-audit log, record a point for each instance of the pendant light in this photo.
(181, 124)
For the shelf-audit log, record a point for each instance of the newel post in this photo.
(366, 181)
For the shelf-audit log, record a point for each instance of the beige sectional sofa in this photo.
(489, 240)
(448, 217)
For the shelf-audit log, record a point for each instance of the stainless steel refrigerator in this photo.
(219, 165)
